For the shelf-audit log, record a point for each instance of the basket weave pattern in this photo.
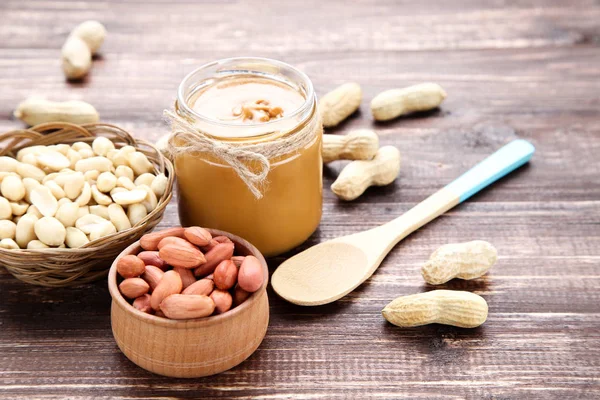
(67, 267)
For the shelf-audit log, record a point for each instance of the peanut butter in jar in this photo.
(267, 110)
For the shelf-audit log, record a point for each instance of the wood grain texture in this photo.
(525, 68)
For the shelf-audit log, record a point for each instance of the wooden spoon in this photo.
(330, 270)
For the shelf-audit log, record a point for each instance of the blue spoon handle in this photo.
(503, 161)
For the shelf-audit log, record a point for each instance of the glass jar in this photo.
(212, 194)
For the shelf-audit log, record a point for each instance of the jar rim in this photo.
(187, 82)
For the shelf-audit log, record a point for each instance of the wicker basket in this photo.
(67, 267)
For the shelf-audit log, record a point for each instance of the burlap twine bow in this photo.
(185, 138)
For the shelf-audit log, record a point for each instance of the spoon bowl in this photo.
(319, 281)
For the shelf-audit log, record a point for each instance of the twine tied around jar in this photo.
(186, 139)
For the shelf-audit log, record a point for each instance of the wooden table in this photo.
(529, 69)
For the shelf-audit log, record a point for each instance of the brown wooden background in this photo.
(511, 68)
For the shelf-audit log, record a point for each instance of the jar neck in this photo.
(281, 129)
(265, 69)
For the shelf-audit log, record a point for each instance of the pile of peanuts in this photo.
(468, 260)
(371, 165)
(161, 279)
(66, 196)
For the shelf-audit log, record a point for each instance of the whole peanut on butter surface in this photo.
(357, 176)
(468, 260)
(359, 144)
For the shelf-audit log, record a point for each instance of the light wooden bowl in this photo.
(192, 348)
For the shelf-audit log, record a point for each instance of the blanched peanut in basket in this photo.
(7, 229)
(50, 231)
(118, 217)
(75, 238)
(25, 232)
(67, 214)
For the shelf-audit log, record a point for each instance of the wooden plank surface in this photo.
(526, 69)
